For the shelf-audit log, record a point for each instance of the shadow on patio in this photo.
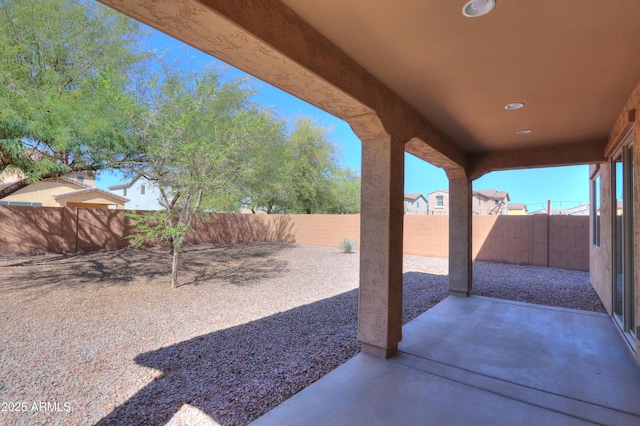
(477, 361)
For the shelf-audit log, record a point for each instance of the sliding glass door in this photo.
(622, 191)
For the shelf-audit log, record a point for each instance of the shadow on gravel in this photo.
(238, 374)
(233, 263)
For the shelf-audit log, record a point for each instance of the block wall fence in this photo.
(556, 241)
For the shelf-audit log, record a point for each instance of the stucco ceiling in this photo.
(572, 62)
(432, 78)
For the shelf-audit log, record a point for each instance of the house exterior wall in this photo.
(479, 205)
(434, 209)
(601, 258)
(89, 200)
(516, 212)
(150, 200)
(43, 192)
(82, 177)
(417, 206)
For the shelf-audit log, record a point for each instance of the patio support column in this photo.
(460, 218)
(380, 295)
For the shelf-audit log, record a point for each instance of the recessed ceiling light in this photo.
(475, 8)
(514, 105)
(523, 131)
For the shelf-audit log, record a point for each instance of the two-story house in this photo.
(143, 194)
(484, 202)
(415, 203)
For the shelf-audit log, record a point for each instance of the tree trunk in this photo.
(14, 187)
(174, 268)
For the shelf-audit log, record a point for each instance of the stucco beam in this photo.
(268, 40)
(589, 152)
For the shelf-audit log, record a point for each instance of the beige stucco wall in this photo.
(90, 198)
(433, 203)
(43, 192)
(84, 176)
(601, 258)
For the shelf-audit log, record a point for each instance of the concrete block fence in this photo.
(556, 241)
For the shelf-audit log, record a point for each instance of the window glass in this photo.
(595, 210)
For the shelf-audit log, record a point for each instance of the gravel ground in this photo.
(102, 338)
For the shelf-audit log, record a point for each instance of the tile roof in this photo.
(91, 189)
(413, 196)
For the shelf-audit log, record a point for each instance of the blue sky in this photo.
(565, 186)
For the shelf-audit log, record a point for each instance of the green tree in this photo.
(64, 67)
(268, 188)
(301, 175)
(311, 166)
(345, 192)
(201, 136)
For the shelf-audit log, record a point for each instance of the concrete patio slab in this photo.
(482, 361)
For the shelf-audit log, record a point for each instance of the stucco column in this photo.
(380, 297)
(460, 218)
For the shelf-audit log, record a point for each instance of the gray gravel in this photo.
(252, 325)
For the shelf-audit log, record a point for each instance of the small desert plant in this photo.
(348, 245)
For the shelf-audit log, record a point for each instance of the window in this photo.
(595, 210)
(80, 179)
(417, 204)
(498, 202)
(20, 203)
(439, 200)
(124, 192)
(141, 189)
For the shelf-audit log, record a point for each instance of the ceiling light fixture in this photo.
(523, 131)
(475, 8)
(514, 105)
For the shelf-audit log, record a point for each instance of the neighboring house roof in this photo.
(129, 184)
(124, 185)
(517, 206)
(486, 193)
(492, 194)
(413, 196)
(581, 210)
(62, 178)
(89, 190)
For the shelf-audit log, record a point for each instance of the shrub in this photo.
(348, 245)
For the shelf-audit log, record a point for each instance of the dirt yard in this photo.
(102, 338)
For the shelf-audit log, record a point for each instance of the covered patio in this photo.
(510, 363)
(530, 84)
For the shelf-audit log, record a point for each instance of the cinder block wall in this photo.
(558, 241)
(569, 242)
(507, 239)
(426, 235)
